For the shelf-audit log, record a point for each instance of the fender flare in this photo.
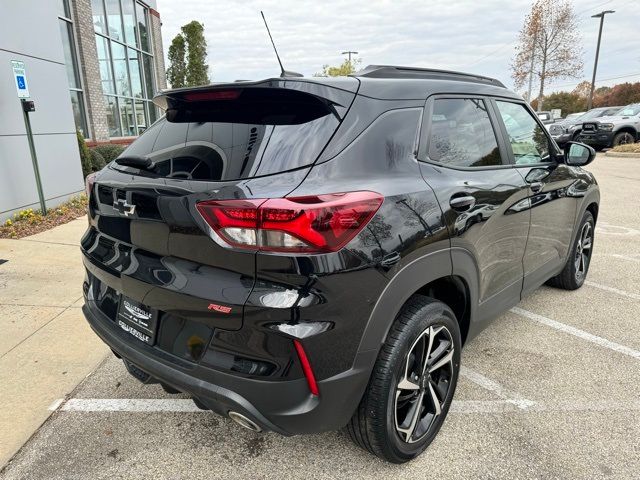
(411, 277)
(592, 196)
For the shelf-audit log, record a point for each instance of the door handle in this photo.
(462, 203)
(536, 187)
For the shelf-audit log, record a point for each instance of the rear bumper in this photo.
(285, 407)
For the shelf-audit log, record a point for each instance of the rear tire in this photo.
(401, 411)
(575, 270)
(623, 138)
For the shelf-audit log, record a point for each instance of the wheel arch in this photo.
(628, 129)
(432, 275)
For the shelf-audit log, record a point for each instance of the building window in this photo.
(126, 65)
(71, 63)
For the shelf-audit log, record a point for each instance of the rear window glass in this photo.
(227, 151)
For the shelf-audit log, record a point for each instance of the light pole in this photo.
(595, 65)
(349, 52)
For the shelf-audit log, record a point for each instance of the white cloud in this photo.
(471, 35)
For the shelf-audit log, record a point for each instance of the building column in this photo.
(158, 53)
(90, 70)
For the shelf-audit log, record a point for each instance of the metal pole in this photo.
(595, 65)
(533, 53)
(349, 52)
(34, 158)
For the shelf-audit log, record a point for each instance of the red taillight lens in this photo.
(313, 224)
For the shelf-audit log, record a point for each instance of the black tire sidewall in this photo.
(617, 137)
(587, 217)
(434, 313)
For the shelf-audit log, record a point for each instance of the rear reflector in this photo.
(306, 368)
(313, 224)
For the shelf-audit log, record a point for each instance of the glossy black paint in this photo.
(512, 235)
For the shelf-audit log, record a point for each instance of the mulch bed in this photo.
(29, 222)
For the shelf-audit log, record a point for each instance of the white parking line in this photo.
(617, 291)
(488, 384)
(603, 342)
(608, 229)
(632, 258)
(128, 405)
(164, 405)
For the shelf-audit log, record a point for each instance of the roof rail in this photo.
(394, 71)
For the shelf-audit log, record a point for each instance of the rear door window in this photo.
(227, 151)
(461, 134)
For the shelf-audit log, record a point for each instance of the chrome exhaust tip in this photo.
(244, 421)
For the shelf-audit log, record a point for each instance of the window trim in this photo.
(425, 132)
(147, 96)
(554, 151)
(75, 51)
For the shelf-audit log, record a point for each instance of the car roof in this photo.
(392, 82)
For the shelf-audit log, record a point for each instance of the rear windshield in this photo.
(219, 151)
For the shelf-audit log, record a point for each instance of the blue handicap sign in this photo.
(21, 83)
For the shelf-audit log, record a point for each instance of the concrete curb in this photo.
(623, 154)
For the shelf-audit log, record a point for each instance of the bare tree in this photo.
(549, 45)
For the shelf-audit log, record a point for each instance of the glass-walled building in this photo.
(115, 65)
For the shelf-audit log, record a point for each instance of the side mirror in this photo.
(579, 154)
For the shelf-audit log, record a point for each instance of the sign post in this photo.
(20, 76)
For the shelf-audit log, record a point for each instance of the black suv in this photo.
(307, 254)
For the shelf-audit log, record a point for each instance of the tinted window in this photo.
(461, 134)
(528, 140)
(229, 151)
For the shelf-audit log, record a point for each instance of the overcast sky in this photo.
(467, 35)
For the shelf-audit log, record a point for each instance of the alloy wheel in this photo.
(625, 139)
(583, 250)
(424, 384)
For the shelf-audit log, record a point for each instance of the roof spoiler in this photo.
(273, 101)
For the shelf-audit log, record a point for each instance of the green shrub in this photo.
(109, 151)
(85, 155)
(97, 160)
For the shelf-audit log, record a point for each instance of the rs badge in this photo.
(219, 308)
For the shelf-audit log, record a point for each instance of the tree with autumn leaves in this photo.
(549, 46)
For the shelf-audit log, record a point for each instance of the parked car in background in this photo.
(546, 117)
(568, 129)
(618, 129)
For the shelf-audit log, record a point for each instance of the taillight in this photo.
(313, 224)
(88, 183)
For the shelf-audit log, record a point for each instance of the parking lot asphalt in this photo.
(550, 390)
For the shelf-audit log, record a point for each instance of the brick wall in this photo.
(158, 52)
(90, 69)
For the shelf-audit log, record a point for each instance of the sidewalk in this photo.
(46, 346)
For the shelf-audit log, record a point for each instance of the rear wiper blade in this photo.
(136, 161)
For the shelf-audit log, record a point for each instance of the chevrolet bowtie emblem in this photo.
(124, 208)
